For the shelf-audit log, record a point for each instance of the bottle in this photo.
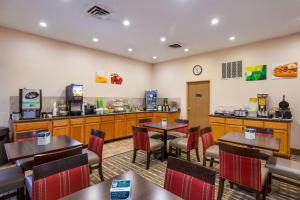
(54, 111)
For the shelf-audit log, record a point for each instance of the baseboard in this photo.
(295, 151)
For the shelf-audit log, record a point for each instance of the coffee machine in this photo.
(74, 99)
(151, 99)
(262, 100)
(284, 111)
(30, 103)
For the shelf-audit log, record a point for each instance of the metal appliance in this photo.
(30, 101)
(284, 111)
(262, 100)
(74, 99)
(151, 99)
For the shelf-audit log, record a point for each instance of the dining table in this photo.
(165, 128)
(141, 188)
(260, 142)
(26, 149)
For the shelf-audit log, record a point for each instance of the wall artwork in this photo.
(256, 73)
(108, 78)
(283, 71)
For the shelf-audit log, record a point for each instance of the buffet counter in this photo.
(282, 128)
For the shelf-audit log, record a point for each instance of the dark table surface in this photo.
(141, 189)
(20, 150)
(168, 127)
(260, 142)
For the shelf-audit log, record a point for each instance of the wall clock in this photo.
(197, 70)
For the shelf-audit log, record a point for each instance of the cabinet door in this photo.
(218, 130)
(87, 130)
(57, 131)
(108, 127)
(129, 124)
(120, 128)
(77, 132)
(282, 135)
(234, 128)
(172, 117)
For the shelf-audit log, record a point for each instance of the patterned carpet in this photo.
(121, 163)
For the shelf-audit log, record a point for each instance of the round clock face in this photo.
(197, 70)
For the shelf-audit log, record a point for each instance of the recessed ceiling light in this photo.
(154, 57)
(130, 49)
(231, 38)
(163, 39)
(214, 21)
(186, 49)
(126, 22)
(43, 24)
(95, 39)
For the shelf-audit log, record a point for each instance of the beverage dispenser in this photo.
(30, 101)
(151, 99)
(74, 98)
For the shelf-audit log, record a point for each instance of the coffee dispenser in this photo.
(262, 100)
(74, 99)
(30, 101)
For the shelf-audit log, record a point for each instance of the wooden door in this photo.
(129, 124)
(109, 128)
(77, 132)
(120, 128)
(87, 130)
(198, 103)
(218, 130)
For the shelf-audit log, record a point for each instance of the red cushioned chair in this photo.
(141, 141)
(151, 132)
(181, 132)
(189, 181)
(186, 144)
(210, 148)
(95, 150)
(60, 178)
(242, 166)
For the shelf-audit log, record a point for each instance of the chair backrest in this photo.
(96, 145)
(193, 138)
(141, 138)
(267, 132)
(182, 121)
(241, 165)
(206, 138)
(189, 181)
(144, 121)
(48, 157)
(59, 178)
(98, 133)
(27, 136)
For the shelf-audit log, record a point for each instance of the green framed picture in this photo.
(256, 73)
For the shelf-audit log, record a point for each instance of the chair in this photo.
(141, 141)
(94, 151)
(10, 179)
(151, 132)
(181, 132)
(60, 178)
(186, 144)
(210, 148)
(242, 166)
(189, 181)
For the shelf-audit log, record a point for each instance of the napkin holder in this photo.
(43, 138)
(164, 121)
(250, 133)
(120, 190)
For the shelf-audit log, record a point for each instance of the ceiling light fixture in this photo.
(130, 49)
(186, 49)
(163, 39)
(126, 22)
(43, 24)
(214, 21)
(154, 57)
(231, 38)
(95, 39)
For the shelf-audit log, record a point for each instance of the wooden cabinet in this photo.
(61, 127)
(140, 116)
(283, 136)
(90, 123)
(218, 130)
(77, 129)
(19, 128)
(130, 121)
(173, 116)
(108, 127)
(233, 128)
(120, 126)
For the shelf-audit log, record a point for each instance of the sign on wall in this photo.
(108, 78)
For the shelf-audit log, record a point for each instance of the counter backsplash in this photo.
(48, 101)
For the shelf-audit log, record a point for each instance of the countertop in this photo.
(254, 118)
(92, 115)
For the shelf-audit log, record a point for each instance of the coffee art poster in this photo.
(285, 71)
(256, 73)
(108, 78)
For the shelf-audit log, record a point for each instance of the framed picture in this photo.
(287, 70)
(256, 73)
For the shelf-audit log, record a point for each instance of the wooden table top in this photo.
(141, 189)
(260, 142)
(168, 127)
(25, 149)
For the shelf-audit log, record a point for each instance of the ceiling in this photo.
(187, 22)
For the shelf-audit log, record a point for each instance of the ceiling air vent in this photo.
(175, 46)
(97, 11)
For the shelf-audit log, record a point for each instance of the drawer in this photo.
(107, 118)
(131, 116)
(89, 120)
(234, 121)
(120, 117)
(32, 126)
(77, 121)
(141, 115)
(253, 123)
(216, 120)
(276, 125)
(61, 122)
(149, 114)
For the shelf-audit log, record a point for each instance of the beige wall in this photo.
(36, 62)
(170, 77)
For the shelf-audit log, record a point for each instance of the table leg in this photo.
(165, 140)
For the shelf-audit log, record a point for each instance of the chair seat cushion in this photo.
(11, 178)
(155, 135)
(285, 167)
(177, 134)
(180, 143)
(28, 183)
(212, 151)
(26, 164)
(93, 158)
(155, 144)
